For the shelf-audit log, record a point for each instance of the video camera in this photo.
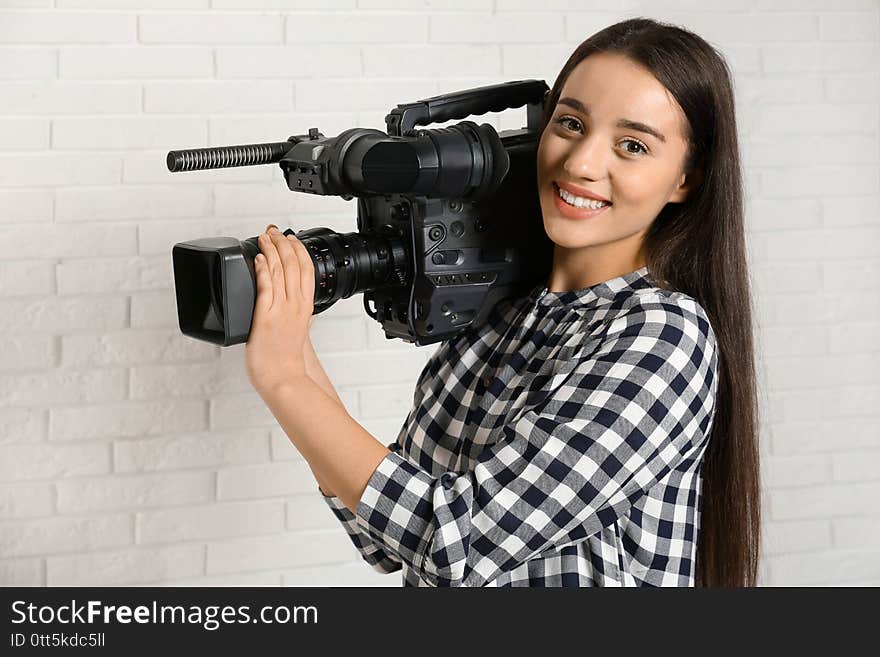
(449, 221)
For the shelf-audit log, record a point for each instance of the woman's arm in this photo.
(316, 373)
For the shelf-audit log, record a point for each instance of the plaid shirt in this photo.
(559, 444)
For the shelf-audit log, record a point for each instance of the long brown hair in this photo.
(698, 247)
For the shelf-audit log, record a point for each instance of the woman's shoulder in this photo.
(668, 306)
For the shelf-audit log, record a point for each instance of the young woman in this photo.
(600, 431)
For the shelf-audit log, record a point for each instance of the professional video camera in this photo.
(449, 221)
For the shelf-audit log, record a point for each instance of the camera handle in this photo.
(461, 104)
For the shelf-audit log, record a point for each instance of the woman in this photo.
(600, 431)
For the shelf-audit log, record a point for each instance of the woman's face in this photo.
(584, 146)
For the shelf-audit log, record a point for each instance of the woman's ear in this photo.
(688, 183)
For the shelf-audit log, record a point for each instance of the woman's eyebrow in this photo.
(622, 123)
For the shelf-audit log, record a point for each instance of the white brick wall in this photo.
(132, 455)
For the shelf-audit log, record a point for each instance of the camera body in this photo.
(448, 220)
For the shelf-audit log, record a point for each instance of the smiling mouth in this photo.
(580, 203)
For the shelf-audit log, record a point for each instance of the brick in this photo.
(52, 313)
(851, 338)
(22, 572)
(22, 538)
(53, 169)
(809, 372)
(374, 367)
(126, 567)
(127, 420)
(25, 205)
(25, 500)
(140, 5)
(793, 90)
(824, 501)
(809, 151)
(856, 532)
(28, 352)
(820, 57)
(827, 568)
(431, 60)
(851, 211)
(852, 87)
(66, 27)
(410, 4)
(255, 62)
(129, 274)
(59, 97)
(126, 133)
(360, 27)
(28, 64)
(787, 277)
(519, 27)
(832, 180)
(82, 240)
(839, 433)
(835, 119)
(27, 278)
(133, 347)
(280, 550)
(196, 450)
(386, 401)
(125, 62)
(795, 536)
(841, 275)
(122, 492)
(310, 511)
(821, 5)
(359, 94)
(217, 97)
(346, 334)
(846, 401)
(220, 520)
(243, 579)
(793, 405)
(62, 387)
(357, 573)
(265, 480)
(158, 237)
(154, 309)
(132, 203)
(186, 380)
(858, 465)
(23, 425)
(801, 470)
(526, 61)
(22, 462)
(210, 28)
(792, 341)
(814, 244)
(848, 27)
(24, 134)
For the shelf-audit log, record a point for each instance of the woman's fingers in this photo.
(276, 269)
(264, 285)
(306, 268)
(289, 260)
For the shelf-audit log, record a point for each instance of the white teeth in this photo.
(580, 201)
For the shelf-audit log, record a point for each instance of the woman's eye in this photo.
(637, 143)
(563, 120)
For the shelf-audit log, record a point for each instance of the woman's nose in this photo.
(587, 159)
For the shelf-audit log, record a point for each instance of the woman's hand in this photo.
(282, 312)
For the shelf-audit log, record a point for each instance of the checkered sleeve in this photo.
(371, 551)
(634, 405)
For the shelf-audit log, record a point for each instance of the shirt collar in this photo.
(634, 280)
